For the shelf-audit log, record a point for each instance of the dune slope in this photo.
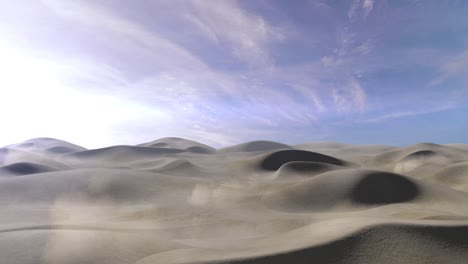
(174, 201)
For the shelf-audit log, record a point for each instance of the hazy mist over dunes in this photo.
(174, 200)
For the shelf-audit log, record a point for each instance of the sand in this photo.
(174, 200)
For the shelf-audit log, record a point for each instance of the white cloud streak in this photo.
(225, 22)
(358, 94)
(356, 5)
(348, 94)
(353, 8)
(184, 85)
(454, 66)
(367, 5)
(97, 16)
(401, 114)
(191, 91)
(350, 98)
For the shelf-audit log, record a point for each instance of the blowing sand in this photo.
(179, 201)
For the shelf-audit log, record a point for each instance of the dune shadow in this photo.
(384, 188)
(275, 160)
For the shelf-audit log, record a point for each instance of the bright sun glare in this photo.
(36, 102)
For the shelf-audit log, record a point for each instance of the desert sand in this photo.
(174, 200)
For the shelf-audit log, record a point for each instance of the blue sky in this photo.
(107, 72)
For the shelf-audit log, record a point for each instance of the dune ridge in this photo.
(174, 201)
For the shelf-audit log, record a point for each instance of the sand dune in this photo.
(353, 189)
(386, 243)
(417, 160)
(260, 145)
(115, 155)
(50, 145)
(455, 176)
(180, 143)
(293, 169)
(177, 201)
(354, 153)
(458, 145)
(276, 159)
(10, 156)
(422, 150)
(24, 168)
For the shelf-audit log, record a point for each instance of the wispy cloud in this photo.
(401, 114)
(186, 87)
(209, 69)
(358, 94)
(353, 8)
(357, 5)
(224, 22)
(367, 5)
(170, 54)
(350, 98)
(350, 48)
(454, 66)
(347, 92)
(309, 92)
